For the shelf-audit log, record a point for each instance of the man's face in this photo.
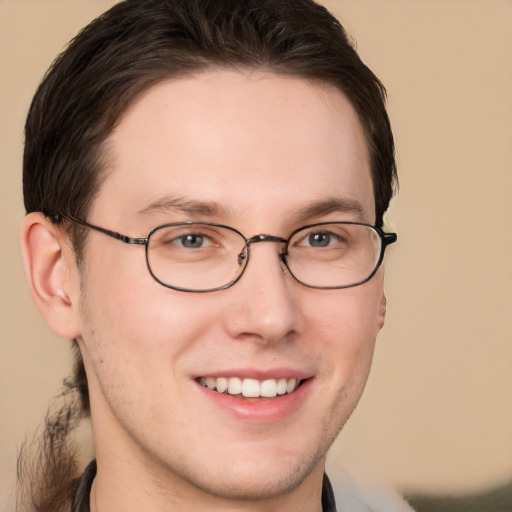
(263, 154)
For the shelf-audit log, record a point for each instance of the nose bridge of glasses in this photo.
(257, 239)
(265, 238)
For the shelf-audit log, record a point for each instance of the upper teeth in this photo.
(250, 388)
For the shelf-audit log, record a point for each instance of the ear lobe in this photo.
(381, 314)
(51, 273)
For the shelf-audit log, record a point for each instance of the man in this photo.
(205, 183)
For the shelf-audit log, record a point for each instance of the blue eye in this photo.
(320, 239)
(191, 241)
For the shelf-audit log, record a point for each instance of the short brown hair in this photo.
(139, 42)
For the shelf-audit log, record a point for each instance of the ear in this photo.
(52, 274)
(381, 313)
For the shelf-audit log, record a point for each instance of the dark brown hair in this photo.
(140, 42)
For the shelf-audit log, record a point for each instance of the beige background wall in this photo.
(437, 413)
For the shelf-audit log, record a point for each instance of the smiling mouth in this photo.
(250, 388)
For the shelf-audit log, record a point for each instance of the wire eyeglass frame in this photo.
(385, 238)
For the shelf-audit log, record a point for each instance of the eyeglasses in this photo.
(205, 257)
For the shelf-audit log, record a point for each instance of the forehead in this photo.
(244, 141)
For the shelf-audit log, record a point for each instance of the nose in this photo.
(263, 304)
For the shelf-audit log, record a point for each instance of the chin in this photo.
(255, 484)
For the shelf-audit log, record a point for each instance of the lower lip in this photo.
(260, 411)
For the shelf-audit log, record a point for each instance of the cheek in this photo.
(344, 324)
(349, 316)
(138, 337)
(133, 328)
(122, 301)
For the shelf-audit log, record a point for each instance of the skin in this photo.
(261, 147)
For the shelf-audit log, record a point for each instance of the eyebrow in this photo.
(196, 208)
(180, 204)
(331, 205)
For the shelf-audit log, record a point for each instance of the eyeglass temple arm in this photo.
(113, 234)
(388, 238)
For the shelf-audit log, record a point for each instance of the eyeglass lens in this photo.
(205, 257)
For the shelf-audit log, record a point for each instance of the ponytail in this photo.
(48, 465)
